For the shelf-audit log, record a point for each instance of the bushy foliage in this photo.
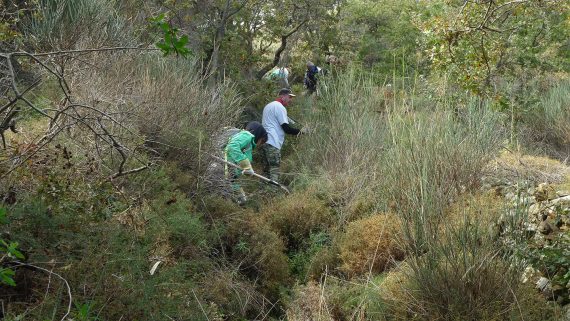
(433, 158)
(553, 259)
(8, 250)
(260, 251)
(296, 216)
(464, 275)
(335, 299)
(370, 245)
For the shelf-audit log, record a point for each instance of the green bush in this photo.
(297, 216)
(553, 259)
(336, 299)
(259, 252)
(465, 274)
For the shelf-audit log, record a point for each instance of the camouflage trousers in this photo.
(271, 157)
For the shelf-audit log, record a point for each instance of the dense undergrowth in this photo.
(390, 216)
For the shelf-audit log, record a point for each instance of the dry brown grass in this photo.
(564, 186)
(485, 208)
(512, 167)
(370, 244)
(310, 303)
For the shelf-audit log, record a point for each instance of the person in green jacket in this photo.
(239, 150)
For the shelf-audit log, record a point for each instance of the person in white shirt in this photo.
(276, 123)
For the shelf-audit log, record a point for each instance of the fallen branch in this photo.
(17, 263)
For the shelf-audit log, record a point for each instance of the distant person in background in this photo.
(281, 75)
(311, 78)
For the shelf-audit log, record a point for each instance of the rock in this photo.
(528, 273)
(544, 192)
(534, 210)
(542, 284)
(547, 227)
(564, 201)
(562, 193)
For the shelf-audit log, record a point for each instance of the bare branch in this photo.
(66, 52)
(17, 263)
(280, 50)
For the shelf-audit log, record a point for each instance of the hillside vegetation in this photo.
(431, 181)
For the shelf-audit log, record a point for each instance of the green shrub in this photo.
(259, 251)
(335, 299)
(553, 259)
(431, 158)
(297, 216)
(302, 260)
(464, 275)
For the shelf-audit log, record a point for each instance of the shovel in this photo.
(263, 178)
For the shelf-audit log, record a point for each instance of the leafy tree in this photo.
(248, 37)
(377, 31)
(476, 41)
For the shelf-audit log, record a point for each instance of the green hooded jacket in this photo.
(240, 147)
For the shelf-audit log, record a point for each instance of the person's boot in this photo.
(242, 198)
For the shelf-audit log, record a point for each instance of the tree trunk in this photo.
(278, 53)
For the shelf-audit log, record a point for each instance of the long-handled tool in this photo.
(263, 178)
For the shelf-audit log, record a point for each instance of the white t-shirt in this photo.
(274, 114)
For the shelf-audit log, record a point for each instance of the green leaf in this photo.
(158, 18)
(182, 42)
(6, 277)
(3, 219)
(165, 27)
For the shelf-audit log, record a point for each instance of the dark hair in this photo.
(257, 130)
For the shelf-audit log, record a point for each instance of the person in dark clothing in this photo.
(311, 78)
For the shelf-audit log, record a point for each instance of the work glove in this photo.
(305, 130)
(246, 168)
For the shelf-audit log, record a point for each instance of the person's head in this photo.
(258, 131)
(285, 95)
(310, 64)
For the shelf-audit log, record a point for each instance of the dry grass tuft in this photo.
(513, 167)
(485, 208)
(370, 244)
(310, 304)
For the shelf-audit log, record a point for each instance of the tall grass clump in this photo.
(430, 158)
(465, 272)
(348, 137)
(68, 24)
(551, 116)
(163, 105)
